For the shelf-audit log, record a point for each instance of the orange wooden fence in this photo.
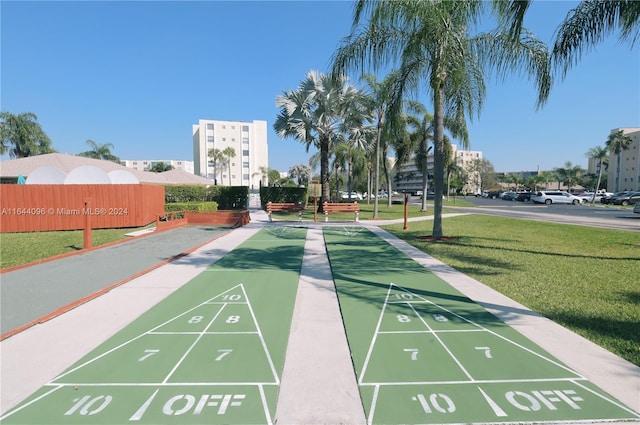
(35, 208)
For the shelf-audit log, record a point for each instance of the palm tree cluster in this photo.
(434, 48)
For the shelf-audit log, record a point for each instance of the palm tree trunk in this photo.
(438, 160)
(377, 171)
(324, 172)
(593, 198)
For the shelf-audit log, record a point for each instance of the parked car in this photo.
(355, 196)
(589, 197)
(608, 199)
(636, 208)
(629, 198)
(509, 196)
(493, 194)
(555, 197)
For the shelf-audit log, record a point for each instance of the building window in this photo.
(245, 140)
(209, 126)
(245, 152)
(245, 177)
(224, 126)
(245, 128)
(224, 139)
(209, 139)
(245, 164)
(233, 139)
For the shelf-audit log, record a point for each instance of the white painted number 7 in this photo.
(413, 351)
(223, 352)
(487, 351)
(147, 354)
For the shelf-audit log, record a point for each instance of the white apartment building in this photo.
(624, 168)
(409, 178)
(248, 140)
(148, 164)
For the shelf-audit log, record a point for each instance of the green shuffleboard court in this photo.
(211, 353)
(426, 354)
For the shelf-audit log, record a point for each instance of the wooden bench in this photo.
(285, 207)
(332, 207)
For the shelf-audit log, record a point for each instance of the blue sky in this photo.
(139, 74)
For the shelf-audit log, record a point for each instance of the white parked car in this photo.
(555, 197)
(355, 196)
(588, 197)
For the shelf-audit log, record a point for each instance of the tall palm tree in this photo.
(21, 135)
(600, 154)
(100, 151)
(420, 134)
(300, 172)
(589, 23)
(569, 174)
(229, 153)
(616, 143)
(433, 43)
(379, 97)
(313, 115)
(217, 157)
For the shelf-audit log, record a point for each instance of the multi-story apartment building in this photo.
(624, 168)
(409, 177)
(148, 164)
(248, 140)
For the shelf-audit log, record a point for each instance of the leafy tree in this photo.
(217, 157)
(160, 167)
(100, 151)
(616, 143)
(589, 23)
(433, 44)
(600, 154)
(483, 168)
(22, 136)
(300, 172)
(457, 173)
(274, 176)
(229, 153)
(314, 113)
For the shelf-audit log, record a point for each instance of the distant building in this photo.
(624, 168)
(248, 139)
(408, 177)
(148, 164)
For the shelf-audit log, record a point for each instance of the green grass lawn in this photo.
(22, 248)
(585, 279)
(395, 211)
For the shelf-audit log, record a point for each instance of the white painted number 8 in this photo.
(196, 319)
(233, 319)
(403, 318)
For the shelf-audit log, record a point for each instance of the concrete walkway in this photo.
(318, 383)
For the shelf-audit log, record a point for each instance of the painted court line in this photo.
(443, 359)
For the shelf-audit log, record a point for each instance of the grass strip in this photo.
(583, 278)
(23, 248)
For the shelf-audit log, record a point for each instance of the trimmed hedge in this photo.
(283, 194)
(227, 198)
(192, 206)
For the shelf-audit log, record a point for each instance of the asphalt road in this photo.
(606, 217)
